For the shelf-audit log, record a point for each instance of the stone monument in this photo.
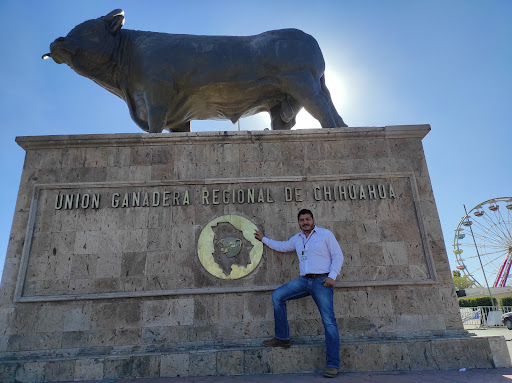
(133, 255)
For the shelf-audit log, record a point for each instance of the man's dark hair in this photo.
(305, 211)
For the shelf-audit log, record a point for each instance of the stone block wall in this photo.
(103, 253)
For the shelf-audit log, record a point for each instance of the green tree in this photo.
(461, 282)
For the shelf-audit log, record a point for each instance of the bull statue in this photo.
(167, 80)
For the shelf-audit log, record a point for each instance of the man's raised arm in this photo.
(281, 246)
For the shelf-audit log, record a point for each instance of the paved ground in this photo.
(499, 375)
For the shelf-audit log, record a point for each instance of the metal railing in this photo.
(483, 316)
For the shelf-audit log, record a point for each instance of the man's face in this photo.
(306, 222)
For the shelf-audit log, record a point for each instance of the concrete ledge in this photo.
(250, 358)
(98, 140)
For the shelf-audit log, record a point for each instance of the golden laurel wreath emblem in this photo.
(229, 246)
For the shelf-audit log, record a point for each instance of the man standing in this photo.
(320, 261)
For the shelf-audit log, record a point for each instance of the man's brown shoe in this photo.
(330, 372)
(274, 342)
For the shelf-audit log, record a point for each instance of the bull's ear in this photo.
(115, 20)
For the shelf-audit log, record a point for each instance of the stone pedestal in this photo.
(132, 255)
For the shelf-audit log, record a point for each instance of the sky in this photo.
(447, 63)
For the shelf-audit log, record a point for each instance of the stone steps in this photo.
(250, 358)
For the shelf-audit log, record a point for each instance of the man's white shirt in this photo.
(318, 254)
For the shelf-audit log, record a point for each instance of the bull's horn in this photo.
(115, 19)
(114, 13)
(46, 56)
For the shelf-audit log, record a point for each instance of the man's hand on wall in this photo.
(258, 235)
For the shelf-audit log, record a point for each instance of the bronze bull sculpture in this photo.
(167, 80)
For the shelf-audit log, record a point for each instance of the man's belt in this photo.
(316, 275)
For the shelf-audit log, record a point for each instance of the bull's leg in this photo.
(275, 118)
(137, 107)
(337, 118)
(157, 118)
(155, 95)
(308, 92)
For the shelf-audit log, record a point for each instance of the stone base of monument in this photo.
(198, 359)
(133, 255)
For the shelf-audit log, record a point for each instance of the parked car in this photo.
(506, 319)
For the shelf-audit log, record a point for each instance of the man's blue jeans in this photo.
(323, 297)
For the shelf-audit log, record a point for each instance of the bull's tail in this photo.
(337, 118)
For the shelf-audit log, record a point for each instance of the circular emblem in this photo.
(227, 248)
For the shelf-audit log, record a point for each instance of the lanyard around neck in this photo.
(304, 243)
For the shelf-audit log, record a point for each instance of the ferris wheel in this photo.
(489, 225)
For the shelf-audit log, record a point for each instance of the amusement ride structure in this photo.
(485, 232)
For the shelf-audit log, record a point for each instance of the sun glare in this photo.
(338, 92)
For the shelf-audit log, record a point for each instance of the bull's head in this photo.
(89, 45)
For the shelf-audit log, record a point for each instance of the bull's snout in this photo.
(58, 43)
(60, 49)
(57, 40)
